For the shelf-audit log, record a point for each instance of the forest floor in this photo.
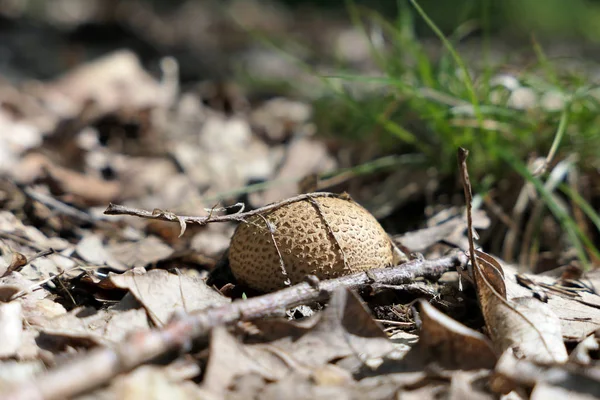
(193, 119)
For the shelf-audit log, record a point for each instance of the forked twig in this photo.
(183, 220)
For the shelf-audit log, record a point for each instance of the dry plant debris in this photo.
(101, 306)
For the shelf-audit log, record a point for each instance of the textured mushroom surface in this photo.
(326, 236)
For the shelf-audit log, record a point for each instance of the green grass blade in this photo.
(587, 209)
(577, 238)
(457, 59)
(560, 132)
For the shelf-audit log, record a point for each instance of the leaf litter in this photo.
(126, 298)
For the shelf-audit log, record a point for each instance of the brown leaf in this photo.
(544, 392)
(581, 380)
(525, 325)
(84, 188)
(452, 344)
(470, 385)
(104, 327)
(170, 381)
(449, 230)
(303, 157)
(345, 329)
(146, 251)
(9, 223)
(17, 262)
(578, 317)
(92, 249)
(581, 354)
(230, 359)
(162, 293)
(113, 82)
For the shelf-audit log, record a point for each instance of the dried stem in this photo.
(116, 209)
(102, 364)
(489, 261)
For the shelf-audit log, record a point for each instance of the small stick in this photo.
(272, 228)
(475, 256)
(464, 173)
(102, 364)
(61, 207)
(183, 220)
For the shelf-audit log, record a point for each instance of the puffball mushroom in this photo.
(323, 236)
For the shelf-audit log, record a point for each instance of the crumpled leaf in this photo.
(146, 251)
(364, 342)
(525, 325)
(343, 333)
(92, 249)
(452, 344)
(511, 372)
(153, 382)
(112, 82)
(230, 359)
(162, 293)
(576, 309)
(100, 327)
(450, 230)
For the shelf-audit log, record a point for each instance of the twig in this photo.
(396, 323)
(464, 173)
(100, 365)
(19, 261)
(183, 220)
(272, 228)
(476, 256)
(61, 207)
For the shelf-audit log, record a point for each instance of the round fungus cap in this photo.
(323, 236)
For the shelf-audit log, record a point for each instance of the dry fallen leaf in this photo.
(92, 249)
(525, 325)
(146, 251)
(581, 354)
(452, 344)
(163, 293)
(230, 359)
(303, 157)
(579, 316)
(11, 328)
(364, 342)
(112, 82)
(511, 372)
(100, 327)
(450, 230)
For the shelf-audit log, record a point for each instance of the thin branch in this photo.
(100, 365)
(116, 209)
(61, 207)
